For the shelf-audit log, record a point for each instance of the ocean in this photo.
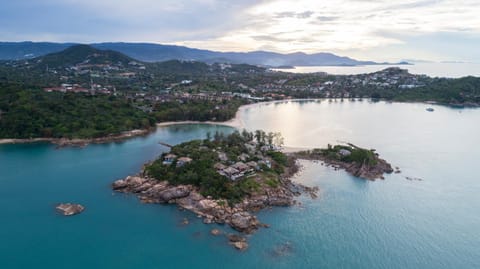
(432, 221)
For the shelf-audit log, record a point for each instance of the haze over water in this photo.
(448, 70)
(396, 223)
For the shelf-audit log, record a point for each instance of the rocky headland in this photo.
(228, 179)
(239, 216)
(359, 162)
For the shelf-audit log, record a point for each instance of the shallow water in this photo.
(395, 223)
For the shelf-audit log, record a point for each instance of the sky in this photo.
(379, 30)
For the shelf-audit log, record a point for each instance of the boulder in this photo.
(240, 245)
(68, 209)
(244, 222)
(119, 184)
(174, 193)
(238, 241)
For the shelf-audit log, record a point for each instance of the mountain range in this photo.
(149, 52)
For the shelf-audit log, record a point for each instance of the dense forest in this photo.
(197, 110)
(33, 113)
(461, 91)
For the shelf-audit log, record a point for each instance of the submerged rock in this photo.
(238, 242)
(215, 232)
(68, 209)
(240, 245)
(282, 250)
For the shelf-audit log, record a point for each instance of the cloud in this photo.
(354, 26)
(327, 18)
(299, 15)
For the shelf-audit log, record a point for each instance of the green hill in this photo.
(82, 54)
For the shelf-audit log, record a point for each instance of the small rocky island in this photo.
(359, 162)
(226, 179)
(68, 209)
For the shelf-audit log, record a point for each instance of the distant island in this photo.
(226, 178)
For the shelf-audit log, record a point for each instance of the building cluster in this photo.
(76, 88)
(340, 86)
(244, 166)
(169, 159)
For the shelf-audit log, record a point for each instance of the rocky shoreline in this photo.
(80, 142)
(362, 170)
(239, 216)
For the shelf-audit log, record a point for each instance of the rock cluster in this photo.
(361, 170)
(68, 209)
(370, 172)
(211, 210)
(238, 242)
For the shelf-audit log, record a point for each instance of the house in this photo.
(242, 167)
(253, 165)
(243, 157)
(169, 159)
(183, 160)
(344, 152)
(219, 166)
(222, 156)
(231, 173)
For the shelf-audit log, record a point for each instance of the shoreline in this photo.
(80, 142)
(235, 122)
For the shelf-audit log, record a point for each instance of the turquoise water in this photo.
(395, 223)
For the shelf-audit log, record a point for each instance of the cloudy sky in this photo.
(381, 30)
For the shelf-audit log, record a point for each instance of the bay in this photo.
(395, 223)
(449, 70)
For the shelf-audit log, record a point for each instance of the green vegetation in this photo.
(201, 110)
(205, 155)
(446, 91)
(34, 113)
(345, 153)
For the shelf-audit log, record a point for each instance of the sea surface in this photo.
(431, 222)
(449, 70)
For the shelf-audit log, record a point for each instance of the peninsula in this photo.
(225, 179)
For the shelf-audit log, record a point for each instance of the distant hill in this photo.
(83, 54)
(28, 50)
(156, 53)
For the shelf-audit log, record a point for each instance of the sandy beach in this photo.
(236, 122)
(77, 141)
